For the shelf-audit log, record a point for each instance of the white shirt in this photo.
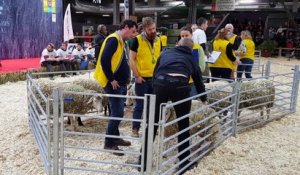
(90, 51)
(64, 54)
(199, 36)
(47, 53)
(80, 53)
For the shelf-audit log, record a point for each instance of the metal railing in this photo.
(68, 149)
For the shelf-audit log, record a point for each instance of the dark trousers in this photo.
(174, 91)
(220, 73)
(117, 110)
(63, 65)
(246, 67)
(140, 90)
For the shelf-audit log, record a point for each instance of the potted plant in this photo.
(267, 47)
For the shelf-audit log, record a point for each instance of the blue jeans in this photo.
(246, 67)
(193, 91)
(141, 90)
(117, 110)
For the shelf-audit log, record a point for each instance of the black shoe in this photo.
(190, 167)
(114, 148)
(121, 142)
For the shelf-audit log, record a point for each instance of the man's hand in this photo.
(139, 80)
(115, 84)
(237, 61)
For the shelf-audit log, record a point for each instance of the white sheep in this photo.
(198, 116)
(254, 94)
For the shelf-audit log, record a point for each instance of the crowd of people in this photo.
(135, 53)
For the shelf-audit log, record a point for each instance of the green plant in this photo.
(268, 46)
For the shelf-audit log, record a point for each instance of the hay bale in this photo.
(201, 115)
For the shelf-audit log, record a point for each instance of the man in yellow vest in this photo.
(236, 42)
(113, 73)
(144, 51)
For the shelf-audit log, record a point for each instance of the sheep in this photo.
(257, 94)
(254, 94)
(74, 103)
(206, 112)
(94, 85)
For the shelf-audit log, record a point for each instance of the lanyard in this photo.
(152, 51)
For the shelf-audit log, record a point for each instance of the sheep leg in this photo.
(105, 110)
(79, 121)
(262, 112)
(69, 121)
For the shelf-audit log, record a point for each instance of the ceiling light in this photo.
(247, 1)
(106, 15)
(79, 12)
(165, 16)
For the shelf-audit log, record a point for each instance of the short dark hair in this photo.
(187, 28)
(201, 21)
(51, 45)
(129, 23)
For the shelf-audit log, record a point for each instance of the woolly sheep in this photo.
(206, 112)
(94, 85)
(250, 93)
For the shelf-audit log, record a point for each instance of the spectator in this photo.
(90, 53)
(145, 50)
(171, 76)
(247, 59)
(49, 58)
(87, 35)
(101, 35)
(222, 68)
(199, 36)
(67, 59)
(80, 57)
(112, 72)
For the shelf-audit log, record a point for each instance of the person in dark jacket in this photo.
(171, 76)
(101, 35)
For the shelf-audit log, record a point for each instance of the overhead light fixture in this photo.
(165, 16)
(247, 1)
(106, 15)
(79, 12)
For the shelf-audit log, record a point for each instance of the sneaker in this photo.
(121, 142)
(114, 148)
(135, 133)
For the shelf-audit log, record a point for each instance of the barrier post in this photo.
(235, 108)
(268, 70)
(55, 131)
(151, 115)
(295, 88)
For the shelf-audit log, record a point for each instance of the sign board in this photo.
(223, 5)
